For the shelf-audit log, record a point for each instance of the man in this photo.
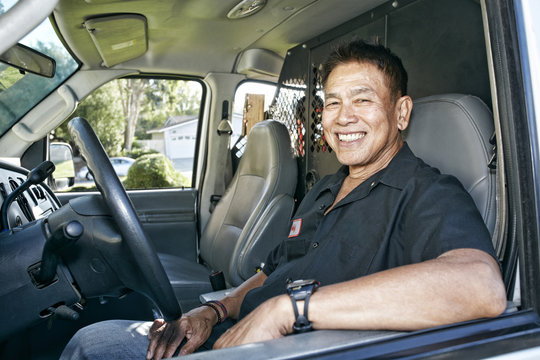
(394, 244)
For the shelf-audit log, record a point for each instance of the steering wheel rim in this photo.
(155, 283)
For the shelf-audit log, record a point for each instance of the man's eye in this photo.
(361, 101)
(331, 104)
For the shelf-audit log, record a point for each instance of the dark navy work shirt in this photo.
(405, 214)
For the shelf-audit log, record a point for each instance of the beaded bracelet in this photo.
(222, 306)
(211, 305)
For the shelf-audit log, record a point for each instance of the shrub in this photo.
(137, 152)
(154, 171)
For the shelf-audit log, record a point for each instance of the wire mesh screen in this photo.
(299, 104)
(289, 107)
(317, 141)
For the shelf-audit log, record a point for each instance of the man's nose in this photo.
(347, 114)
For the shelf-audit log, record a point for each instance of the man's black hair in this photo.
(378, 55)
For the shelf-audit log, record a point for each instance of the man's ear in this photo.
(404, 107)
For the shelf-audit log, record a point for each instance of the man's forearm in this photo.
(461, 285)
(233, 301)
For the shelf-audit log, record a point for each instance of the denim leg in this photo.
(112, 339)
(121, 339)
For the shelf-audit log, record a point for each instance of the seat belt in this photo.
(224, 168)
(499, 233)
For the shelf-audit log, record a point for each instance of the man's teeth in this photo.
(351, 137)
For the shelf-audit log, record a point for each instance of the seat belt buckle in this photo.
(217, 280)
(214, 200)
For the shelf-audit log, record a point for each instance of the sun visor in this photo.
(118, 38)
(257, 63)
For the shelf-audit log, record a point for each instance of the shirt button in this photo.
(315, 245)
(322, 207)
(373, 184)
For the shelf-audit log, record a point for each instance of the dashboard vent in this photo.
(13, 184)
(21, 199)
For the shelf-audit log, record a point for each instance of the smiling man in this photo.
(388, 241)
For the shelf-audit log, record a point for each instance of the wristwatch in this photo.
(301, 290)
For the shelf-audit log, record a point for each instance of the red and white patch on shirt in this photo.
(295, 228)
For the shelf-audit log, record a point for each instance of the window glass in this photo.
(21, 91)
(249, 87)
(5, 5)
(148, 128)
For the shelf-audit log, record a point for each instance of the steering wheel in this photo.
(154, 282)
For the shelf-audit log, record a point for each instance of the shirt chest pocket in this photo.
(301, 234)
(296, 247)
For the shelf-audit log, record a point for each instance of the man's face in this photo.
(360, 120)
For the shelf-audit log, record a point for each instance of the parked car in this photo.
(120, 165)
(69, 259)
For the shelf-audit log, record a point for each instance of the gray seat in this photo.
(451, 132)
(248, 221)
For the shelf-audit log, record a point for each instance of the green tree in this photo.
(190, 93)
(132, 93)
(123, 110)
(103, 110)
(8, 76)
(159, 106)
(166, 98)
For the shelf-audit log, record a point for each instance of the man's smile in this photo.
(351, 137)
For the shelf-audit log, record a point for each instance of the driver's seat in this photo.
(452, 132)
(248, 221)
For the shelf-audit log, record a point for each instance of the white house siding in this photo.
(180, 140)
(177, 142)
(158, 145)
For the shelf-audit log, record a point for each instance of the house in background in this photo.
(176, 139)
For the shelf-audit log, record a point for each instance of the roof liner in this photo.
(184, 36)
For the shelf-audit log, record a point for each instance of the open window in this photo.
(148, 127)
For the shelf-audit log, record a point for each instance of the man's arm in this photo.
(196, 325)
(233, 301)
(459, 285)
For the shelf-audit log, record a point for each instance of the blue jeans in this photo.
(121, 339)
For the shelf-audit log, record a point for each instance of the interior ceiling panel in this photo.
(183, 34)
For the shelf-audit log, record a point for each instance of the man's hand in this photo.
(166, 337)
(195, 326)
(271, 320)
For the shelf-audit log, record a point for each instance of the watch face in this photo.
(298, 284)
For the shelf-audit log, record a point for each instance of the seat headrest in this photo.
(268, 146)
(451, 132)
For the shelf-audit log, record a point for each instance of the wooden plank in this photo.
(253, 112)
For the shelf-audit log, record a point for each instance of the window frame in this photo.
(202, 108)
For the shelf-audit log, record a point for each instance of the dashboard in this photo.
(29, 295)
(34, 203)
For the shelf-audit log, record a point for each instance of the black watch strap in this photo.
(302, 324)
(301, 290)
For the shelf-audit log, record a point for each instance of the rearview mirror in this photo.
(29, 60)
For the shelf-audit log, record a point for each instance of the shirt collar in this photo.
(401, 168)
(334, 182)
(398, 172)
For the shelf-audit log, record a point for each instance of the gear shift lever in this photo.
(61, 237)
